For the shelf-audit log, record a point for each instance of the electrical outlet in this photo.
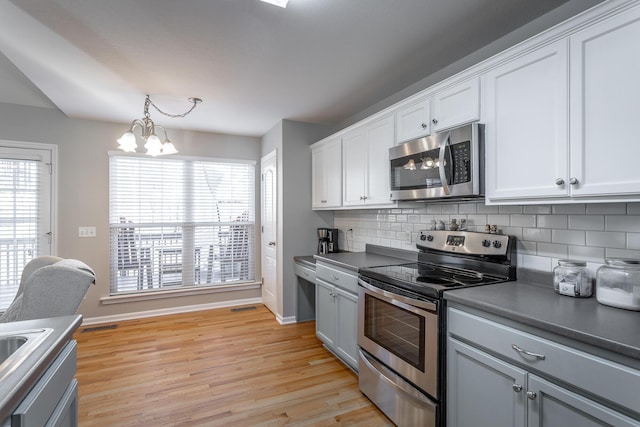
(86, 232)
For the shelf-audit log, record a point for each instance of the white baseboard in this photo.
(167, 311)
(286, 320)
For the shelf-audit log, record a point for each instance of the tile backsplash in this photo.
(545, 233)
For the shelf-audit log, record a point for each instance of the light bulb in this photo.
(168, 148)
(128, 142)
(153, 146)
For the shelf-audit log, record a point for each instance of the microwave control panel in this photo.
(461, 154)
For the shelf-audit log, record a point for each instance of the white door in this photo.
(269, 200)
(25, 206)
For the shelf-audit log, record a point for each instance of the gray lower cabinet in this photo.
(337, 311)
(539, 383)
(53, 401)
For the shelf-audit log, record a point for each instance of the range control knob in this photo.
(486, 243)
(497, 244)
(430, 238)
(423, 237)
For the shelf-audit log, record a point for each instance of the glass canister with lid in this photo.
(572, 278)
(618, 283)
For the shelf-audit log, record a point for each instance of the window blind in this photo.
(19, 222)
(180, 222)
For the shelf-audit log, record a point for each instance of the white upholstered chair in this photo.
(49, 287)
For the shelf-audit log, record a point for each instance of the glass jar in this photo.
(572, 278)
(618, 283)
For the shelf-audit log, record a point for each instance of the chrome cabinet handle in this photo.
(531, 395)
(573, 181)
(559, 181)
(334, 277)
(424, 126)
(528, 353)
(323, 201)
(517, 388)
(272, 243)
(434, 121)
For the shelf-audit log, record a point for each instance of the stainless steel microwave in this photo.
(443, 165)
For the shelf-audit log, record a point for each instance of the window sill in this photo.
(176, 292)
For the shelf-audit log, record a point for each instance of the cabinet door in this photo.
(456, 105)
(354, 162)
(326, 170)
(333, 174)
(552, 405)
(318, 178)
(325, 313)
(379, 138)
(605, 66)
(346, 342)
(526, 120)
(483, 390)
(413, 120)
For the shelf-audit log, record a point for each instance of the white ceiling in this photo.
(252, 63)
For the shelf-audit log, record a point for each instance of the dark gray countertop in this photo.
(374, 256)
(18, 379)
(307, 261)
(581, 319)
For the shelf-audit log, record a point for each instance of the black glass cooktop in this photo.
(428, 279)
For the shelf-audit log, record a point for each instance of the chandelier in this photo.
(148, 129)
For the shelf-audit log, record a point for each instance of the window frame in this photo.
(157, 291)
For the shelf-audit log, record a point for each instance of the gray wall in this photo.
(297, 223)
(83, 198)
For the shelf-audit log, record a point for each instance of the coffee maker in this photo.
(327, 240)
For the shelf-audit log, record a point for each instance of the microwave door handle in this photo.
(441, 167)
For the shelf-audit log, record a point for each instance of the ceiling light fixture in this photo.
(148, 129)
(281, 3)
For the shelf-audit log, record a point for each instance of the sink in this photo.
(9, 345)
(16, 346)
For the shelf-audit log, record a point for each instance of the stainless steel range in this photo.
(401, 320)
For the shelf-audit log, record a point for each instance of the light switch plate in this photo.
(86, 232)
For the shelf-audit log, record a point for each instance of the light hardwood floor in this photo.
(215, 368)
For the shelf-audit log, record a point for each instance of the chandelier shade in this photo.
(154, 146)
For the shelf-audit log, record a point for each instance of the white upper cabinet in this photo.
(326, 165)
(456, 105)
(605, 107)
(560, 120)
(525, 117)
(365, 156)
(413, 120)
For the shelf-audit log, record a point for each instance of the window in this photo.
(25, 213)
(180, 223)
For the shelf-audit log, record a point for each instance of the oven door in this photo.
(402, 333)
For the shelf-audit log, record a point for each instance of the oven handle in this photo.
(443, 173)
(399, 386)
(391, 296)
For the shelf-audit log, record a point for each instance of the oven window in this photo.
(399, 331)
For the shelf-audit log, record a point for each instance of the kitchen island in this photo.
(36, 380)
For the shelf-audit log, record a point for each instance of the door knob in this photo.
(559, 181)
(531, 395)
(573, 181)
(517, 388)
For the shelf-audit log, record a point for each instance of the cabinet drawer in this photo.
(36, 409)
(304, 272)
(604, 378)
(338, 277)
